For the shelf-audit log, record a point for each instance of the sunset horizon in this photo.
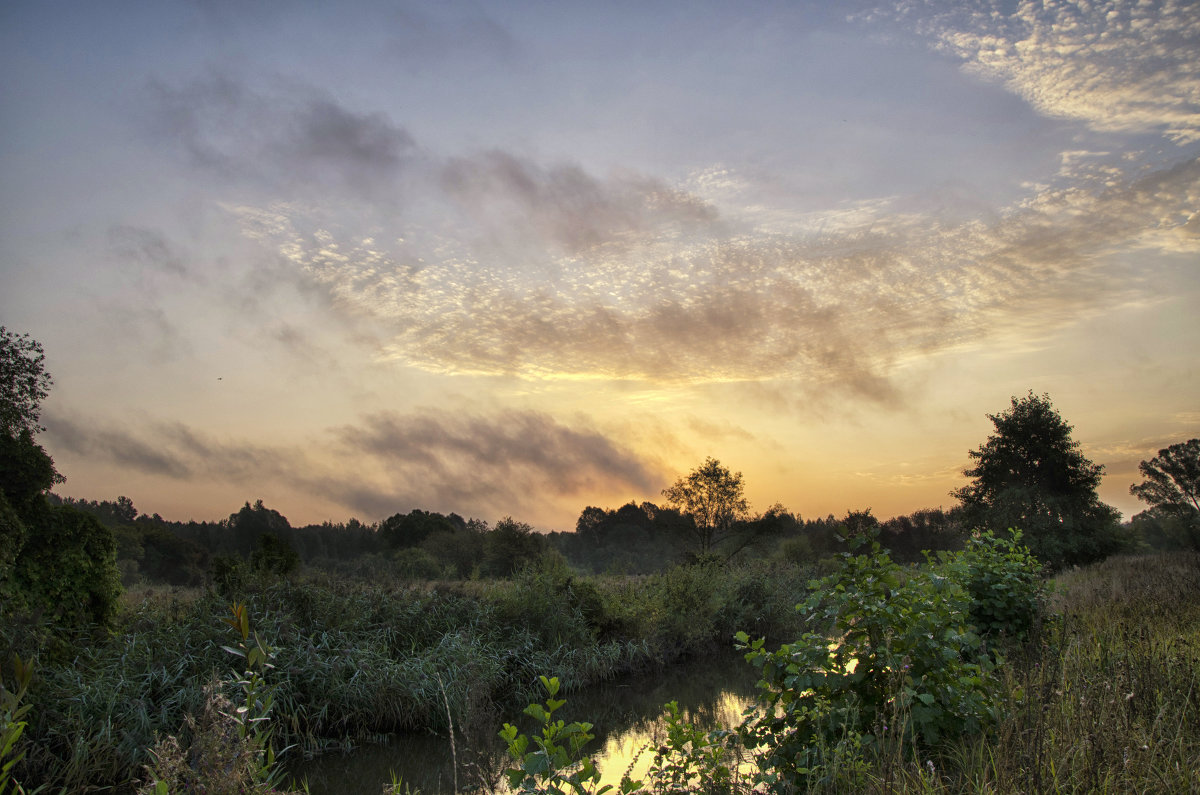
(517, 259)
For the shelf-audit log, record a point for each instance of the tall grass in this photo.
(356, 661)
(1105, 697)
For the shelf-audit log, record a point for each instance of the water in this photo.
(626, 715)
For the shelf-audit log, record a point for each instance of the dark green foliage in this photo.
(459, 552)
(1166, 530)
(12, 541)
(1031, 474)
(230, 574)
(907, 537)
(26, 471)
(1004, 582)
(69, 567)
(24, 384)
(356, 660)
(161, 556)
(411, 529)
(273, 556)
(632, 539)
(1172, 489)
(509, 546)
(890, 656)
(57, 559)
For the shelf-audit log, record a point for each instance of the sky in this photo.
(519, 258)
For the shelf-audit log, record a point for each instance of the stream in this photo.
(627, 715)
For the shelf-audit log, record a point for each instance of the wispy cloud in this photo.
(481, 464)
(1117, 66)
(842, 309)
(510, 266)
(292, 138)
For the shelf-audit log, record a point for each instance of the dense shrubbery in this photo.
(1101, 699)
(890, 655)
(355, 660)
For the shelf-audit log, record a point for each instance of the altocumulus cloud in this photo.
(545, 271)
(484, 464)
(841, 309)
(1120, 66)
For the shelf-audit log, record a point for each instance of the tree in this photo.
(509, 546)
(60, 559)
(273, 555)
(714, 498)
(411, 529)
(1172, 479)
(24, 383)
(1172, 488)
(1032, 476)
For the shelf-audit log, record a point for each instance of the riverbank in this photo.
(1104, 696)
(355, 662)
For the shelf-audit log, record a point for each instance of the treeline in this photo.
(631, 539)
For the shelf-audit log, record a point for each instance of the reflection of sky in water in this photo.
(625, 715)
(631, 752)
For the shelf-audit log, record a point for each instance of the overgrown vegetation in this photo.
(354, 661)
(1102, 697)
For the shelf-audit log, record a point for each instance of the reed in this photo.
(356, 660)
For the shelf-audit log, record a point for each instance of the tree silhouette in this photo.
(24, 383)
(1031, 475)
(56, 558)
(714, 498)
(1172, 488)
(1172, 479)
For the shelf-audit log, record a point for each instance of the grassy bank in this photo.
(355, 661)
(1103, 697)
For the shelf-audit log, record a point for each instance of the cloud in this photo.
(509, 266)
(293, 139)
(115, 446)
(148, 249)
(1117, 66)
(563, 207)
(511, 454)
(510, 462)
(841, 309)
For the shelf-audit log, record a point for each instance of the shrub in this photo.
(69, 566)
(891, 657)
(1004, 581)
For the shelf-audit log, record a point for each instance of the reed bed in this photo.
(355, 661)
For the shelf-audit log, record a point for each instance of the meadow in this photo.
(1101, 694)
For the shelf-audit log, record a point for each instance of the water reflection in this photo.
(627, 717)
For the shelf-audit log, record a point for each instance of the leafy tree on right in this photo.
(1031, 475)
(1172, 488)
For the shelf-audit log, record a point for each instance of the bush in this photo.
(891, 658)
(69, 567)
(1004, 581)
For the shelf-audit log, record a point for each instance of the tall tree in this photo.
(1172, 488)
(57, 558)
(715, 500)
(1172, 479)
(1031, 475)
(24, 383)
